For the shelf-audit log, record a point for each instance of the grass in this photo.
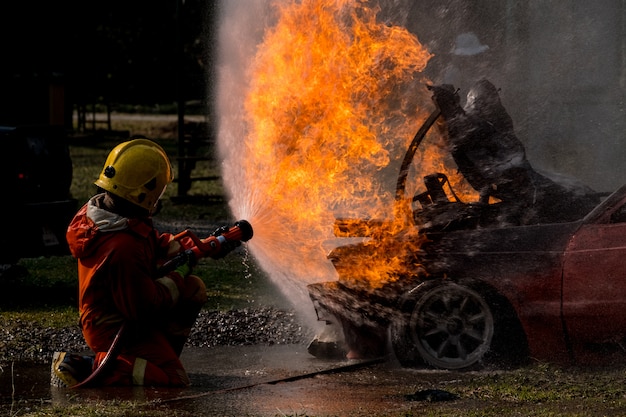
(233, 282)
(112, 408)
(56, 317)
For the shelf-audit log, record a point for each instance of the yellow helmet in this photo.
(137, 171)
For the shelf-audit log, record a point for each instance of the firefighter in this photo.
(118, 252)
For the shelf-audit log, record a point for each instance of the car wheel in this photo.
(448, 326)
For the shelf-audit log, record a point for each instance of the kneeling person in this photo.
(119, 252)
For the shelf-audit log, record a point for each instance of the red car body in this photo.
(561, 288)
(565, 281)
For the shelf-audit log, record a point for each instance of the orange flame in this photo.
(335, 98)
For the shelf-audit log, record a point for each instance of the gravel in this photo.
(27, 342)
(22, 341)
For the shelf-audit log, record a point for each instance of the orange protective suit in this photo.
(118, 261)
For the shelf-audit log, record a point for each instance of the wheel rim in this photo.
(452, 326)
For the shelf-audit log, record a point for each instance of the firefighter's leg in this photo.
(184, 315)
(147, 359)
(131, 370)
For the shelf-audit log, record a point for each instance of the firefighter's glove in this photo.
(183, 270)
(185, 264)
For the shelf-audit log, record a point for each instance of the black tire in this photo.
(447, 326)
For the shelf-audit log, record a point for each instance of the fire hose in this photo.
(215, 246)
(342, 368)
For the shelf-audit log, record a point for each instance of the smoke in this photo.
(561, 70)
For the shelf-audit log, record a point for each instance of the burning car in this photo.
(534, 268)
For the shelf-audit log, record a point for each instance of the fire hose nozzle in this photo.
(246, 230)
(224, 240)
(241, 231)
(216, 246)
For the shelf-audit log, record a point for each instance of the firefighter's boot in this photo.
(68, 369)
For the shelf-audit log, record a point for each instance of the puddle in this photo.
(26, 381)
(235, 380)
(210, 369)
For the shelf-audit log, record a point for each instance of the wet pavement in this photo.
(252, 381)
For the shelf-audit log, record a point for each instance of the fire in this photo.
(334, 99)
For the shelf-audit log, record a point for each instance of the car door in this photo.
(594, 280)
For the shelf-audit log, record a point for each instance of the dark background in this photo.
(146, 54)
(561, 66)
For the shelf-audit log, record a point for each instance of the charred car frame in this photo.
(538, 274)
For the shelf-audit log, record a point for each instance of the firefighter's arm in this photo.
(138, 293)
(169, 246)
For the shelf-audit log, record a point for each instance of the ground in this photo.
(268, 372)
